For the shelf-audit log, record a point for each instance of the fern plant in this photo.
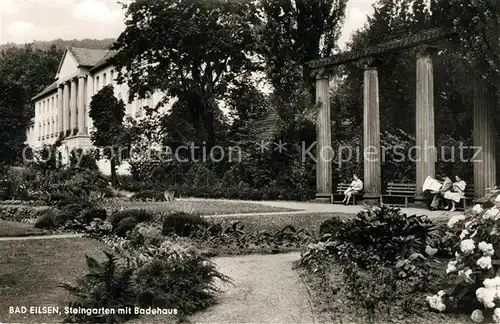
(106, 285)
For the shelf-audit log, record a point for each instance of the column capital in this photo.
(82, 76)
(426, 50)
(320, 74)
(368, 63)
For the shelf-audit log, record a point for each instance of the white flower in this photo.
(464, 234)
(477, 209)
(486, 248)
(477, 316)
(492, 213)
(436, 302)
(441, 293)
(496, 315)
(452, 267)
(484, 262)
(455, 219)
(467, 246)
(486, 296)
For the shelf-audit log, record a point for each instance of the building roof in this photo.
(47, 90)
(87, 57)
(266, 127)
(427, 36)
(105, 60)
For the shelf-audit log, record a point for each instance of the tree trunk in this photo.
(113, 172)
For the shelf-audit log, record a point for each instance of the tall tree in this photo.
(294, 32)
(190, 49)
(107, 113)
(13, 122)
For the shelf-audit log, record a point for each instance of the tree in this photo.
(295, 32)
(13, 122)
(107, 113)
(190, 49)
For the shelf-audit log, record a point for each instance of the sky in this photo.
(23, 21)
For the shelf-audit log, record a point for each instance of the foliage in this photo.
(107, 113)
(125, 225)
(193, 52)
(13, 123)
(473, 281)
(140, 215)
(183, 224)
(384, 257)
(107, 285)
(185, 281)
(149, 195)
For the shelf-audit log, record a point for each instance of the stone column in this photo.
(484, 135)
(66, 108)
(324, 150)
(60, 110)
(90, 93)
(426, 150)
(81, 105)
(72, 105)
(371, 135)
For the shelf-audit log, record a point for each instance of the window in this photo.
(111, 76)
(97, 84)
(104, 79)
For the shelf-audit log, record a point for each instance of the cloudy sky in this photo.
(23, 21)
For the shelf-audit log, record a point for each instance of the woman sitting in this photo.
(355, 188)
(456, 193)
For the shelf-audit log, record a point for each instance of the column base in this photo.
(324, 198)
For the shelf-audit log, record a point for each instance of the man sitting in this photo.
(355, 188)
(438, 195)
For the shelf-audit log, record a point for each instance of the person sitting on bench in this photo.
(438, 195)
(355, 188)
(456, 193)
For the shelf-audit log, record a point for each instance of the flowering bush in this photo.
(474, 273)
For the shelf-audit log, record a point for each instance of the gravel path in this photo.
(266, 290)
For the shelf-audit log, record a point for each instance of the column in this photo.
(81, 105)
(425, 150)
(324, 141)
(60, 110)
(66, 109)
(484, 135)
(90, 93)
(72, 105)
(371, 135)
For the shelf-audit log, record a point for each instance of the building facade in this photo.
(63, 107)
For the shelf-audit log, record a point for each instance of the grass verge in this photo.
(18, 229)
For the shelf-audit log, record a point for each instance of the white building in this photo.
(64, 105)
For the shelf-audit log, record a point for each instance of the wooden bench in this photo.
(338, 195)
(397, 192)
(469, 197)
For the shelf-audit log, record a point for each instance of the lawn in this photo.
(31, 270)
(11, 229)
(203, 207)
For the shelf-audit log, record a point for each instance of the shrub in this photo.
(183, 224)
(331, 226)
(473, 281)
(140, 215)
(125, 225)
(145, 195)
(106, 285)
(48, 220)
